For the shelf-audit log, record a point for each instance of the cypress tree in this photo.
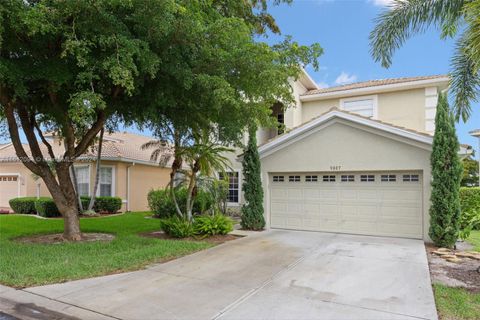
(446, 176)
(252, 210)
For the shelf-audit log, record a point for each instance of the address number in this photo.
(335, 168)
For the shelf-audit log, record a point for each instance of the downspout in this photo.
(128, 185)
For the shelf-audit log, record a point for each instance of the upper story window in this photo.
(365, 106)
(281, 122)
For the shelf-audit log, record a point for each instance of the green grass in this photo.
(456, 303)
(23, 265)
(474, 239)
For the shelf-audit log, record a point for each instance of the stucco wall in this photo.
(403, 108)
(353, 148)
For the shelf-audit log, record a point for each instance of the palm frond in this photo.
(408, 17)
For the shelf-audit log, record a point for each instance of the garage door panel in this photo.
(373, 208)
(8, 189)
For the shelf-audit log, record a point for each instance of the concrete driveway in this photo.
(270, 275)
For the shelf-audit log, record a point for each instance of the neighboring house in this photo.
(354, 158)
(125, 171)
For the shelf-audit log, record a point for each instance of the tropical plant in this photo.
(177, 227)
(211, 225)
(252, 210)
(445, 211)
(455, 18)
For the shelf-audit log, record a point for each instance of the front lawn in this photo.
(458, 303)
(23, 265)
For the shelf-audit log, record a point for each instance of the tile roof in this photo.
(372, 83)
(117, 146)
(475, 133)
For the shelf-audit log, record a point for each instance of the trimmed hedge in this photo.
(46, 207)
(23, 205)
(103, 204)
(470, 204)
(162, 204)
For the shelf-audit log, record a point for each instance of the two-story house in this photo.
(353, 158)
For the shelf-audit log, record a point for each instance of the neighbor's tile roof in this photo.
(372, 83)
(121, 146)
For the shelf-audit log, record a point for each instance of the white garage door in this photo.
(8, 189)
(371, 203)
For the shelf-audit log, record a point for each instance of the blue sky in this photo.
(342, 27)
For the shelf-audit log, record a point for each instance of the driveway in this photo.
(270, 275)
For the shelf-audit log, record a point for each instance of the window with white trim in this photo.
(105, 183)
(348, 178)
(410, 178)
(293, 178)
(329, 178)
(233, 186)
(83, 180)
(388, 178)
(278, 178)
(367, 178)
(311, 178)
(364, 106)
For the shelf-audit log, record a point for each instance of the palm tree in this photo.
(405, 18)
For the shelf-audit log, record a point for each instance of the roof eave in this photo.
(377, 89)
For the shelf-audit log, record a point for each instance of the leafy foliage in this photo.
(470, 204)
(252, 210)
(446, 176)
(406, 18)
(104, 204)
(24, 205)
(177, 227)
(162, 206)
(470, 172)
(210, 225)
(46, 207)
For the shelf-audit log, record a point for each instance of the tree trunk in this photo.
(190, 193)
(176, 165)
(97, 173)
(71, 222)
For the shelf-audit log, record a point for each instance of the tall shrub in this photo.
(252, 210)
(446, 176)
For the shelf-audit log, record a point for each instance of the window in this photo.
(83, 180)
(410, 177)
(294, 178)
(105, 183)
(348, 178)
(311, 178)
(281, 122)
(388, 178)
(367, 178)
(365, 106)
(278, 178)
(233, 186)
(328, 178)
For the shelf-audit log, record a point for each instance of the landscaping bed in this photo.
(215, 240)
(25, 264)
(58, 238)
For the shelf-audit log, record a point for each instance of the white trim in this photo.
(307, 81)
(239, 203)
(375, 89)
(89, 176)
(374, 98)
(431, 99)
(113, 179)
(271, 146)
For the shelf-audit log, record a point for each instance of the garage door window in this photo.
(311, 178)
(8, 178)
(367, 178)
(410, 177)
(278, 178)
(388, 178)
(294, 178)
(348, 178)
(328, 178)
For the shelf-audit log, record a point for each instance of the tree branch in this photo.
(91, 134)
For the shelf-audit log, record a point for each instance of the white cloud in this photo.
(345, 78)
(382, 3)
(322, 85)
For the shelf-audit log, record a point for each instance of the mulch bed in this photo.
(463, 274)
(218, 239)
(58, 238)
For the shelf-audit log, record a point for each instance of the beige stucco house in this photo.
(126, 171)
(353, 158)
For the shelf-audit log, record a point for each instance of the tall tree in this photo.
(446, 177)
(67, 66)
(405, 18)
(252, 210)
(470, 172)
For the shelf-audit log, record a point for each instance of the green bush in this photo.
(470, 204)
(103, 204)
(24, 205)
(210, 225)
(176, 227)
(46, 207)
(162, 205)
